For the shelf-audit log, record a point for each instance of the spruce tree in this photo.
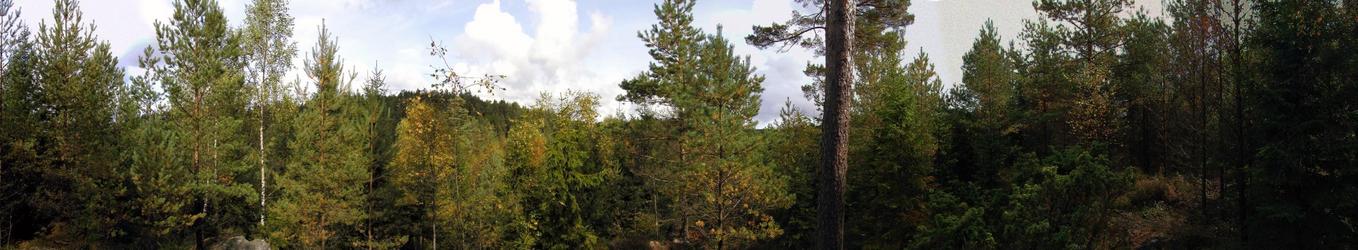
(378, 126)
(793, 152)
(894, 167)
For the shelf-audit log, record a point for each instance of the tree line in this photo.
(1220, 124)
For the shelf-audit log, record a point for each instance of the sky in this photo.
(549, 45)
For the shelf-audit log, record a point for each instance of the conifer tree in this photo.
(673, 44)
(202, 78)
(730, 190)
(895, 166)
(562, 165)
(720, 189)
(1303, 107)
(1090, 32)
(321, 196)
(793, 152)
(18, 102)
(1141, 74)
(986, 99)
(377, 132)
(79, 77)
(157, 186)
(988, 74)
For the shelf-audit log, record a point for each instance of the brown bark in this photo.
(835, 125)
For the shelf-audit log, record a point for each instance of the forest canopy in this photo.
(1219, 124)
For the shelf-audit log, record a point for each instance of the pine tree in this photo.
(320, 197)
(1141, 75)
(839, 50)
(157, 186)
(988, 73)
(1199, 75)
(1092, 38)
(720, 189)
(986, 100)
(673, 44)
(202, 78)
(731, 189)
(807, 26)
(877, 23)
(79, 77)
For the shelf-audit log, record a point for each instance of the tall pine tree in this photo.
(720, 188)
(322, 197)
(202, 75)
(78, 77)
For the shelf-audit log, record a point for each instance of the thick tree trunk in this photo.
(835, 125)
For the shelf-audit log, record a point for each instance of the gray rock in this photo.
(239, 243)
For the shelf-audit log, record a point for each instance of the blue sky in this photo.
(549, 45)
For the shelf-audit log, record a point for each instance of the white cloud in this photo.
(552, 58)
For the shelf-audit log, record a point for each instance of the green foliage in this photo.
(872, 18)
(200, 72)
(319, 201)
(156, 183)
(674, 44)
(719, 187)
(423, 160)
(559, 174)
(898, 138)
(1228, 124)
(988, 80)
(1147, 91)
(954, 223)
(793, 153)
(78, 77)
(1063, 201)
(983, 114)
(19, 102)
(1304, 109)
(268, 51)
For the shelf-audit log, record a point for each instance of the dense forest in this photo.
(1219, 124)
